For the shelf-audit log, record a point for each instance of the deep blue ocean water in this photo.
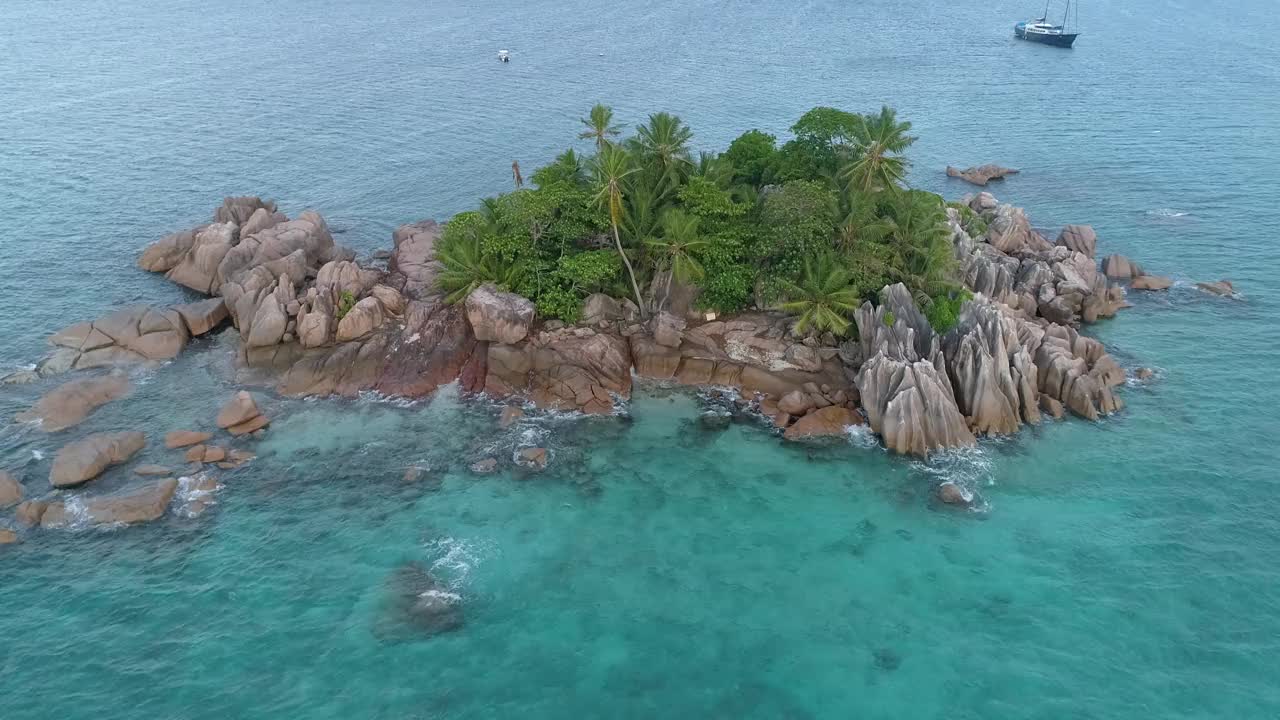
(1128, 569)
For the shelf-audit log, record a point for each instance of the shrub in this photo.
(346, 301)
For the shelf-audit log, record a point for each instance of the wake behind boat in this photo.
(1045, 32)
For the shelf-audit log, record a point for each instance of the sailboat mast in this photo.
(1045, 15)
(1065, 13)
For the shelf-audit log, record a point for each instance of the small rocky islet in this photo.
(311, 319)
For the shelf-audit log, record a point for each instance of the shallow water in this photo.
(1124, 569)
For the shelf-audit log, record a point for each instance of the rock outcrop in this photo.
(995, 380)
(134, 334)
(1079, 238)
(240, 415)
(497, 316)
(982, 174)
(1119, 267)
(142, 504)
(414, 258)
(563, 370)
(1151, 282)
(83, 460)
(831, 421)
(70, 403)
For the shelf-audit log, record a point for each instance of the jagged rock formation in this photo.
(982, 174)
(500, 317)
(1013, 265)
(577, 369)
(996, 383)
(903, 382)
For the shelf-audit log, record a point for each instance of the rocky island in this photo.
(805, 277)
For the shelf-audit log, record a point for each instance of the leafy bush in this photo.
(889, 318)
(559, 303)
(944, 311)
(346, 301)
(753, 153)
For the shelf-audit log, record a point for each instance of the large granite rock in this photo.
(995, 381)
(600, 308)
(240, 415)
(1151, 282)
(910, 405)
(982, 174)
(142, 504)
(1119, 267)
(1079, 238)
(239, 210)
(70, 403)
(414, 258)
(903, 384)
(134, 334)
(203, 316)
(831, 421)
(497, 316)
(362, 319)
(83, 460)
(564, 370)
(198, 266)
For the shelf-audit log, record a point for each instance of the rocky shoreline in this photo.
(312, 321)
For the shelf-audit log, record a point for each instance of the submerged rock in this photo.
(952, 494)
(83, 460)
(485, 466)
(416, 606)
(535, 458)
(10, 490)
(184, 438)
(70, 403)
(1221, 287)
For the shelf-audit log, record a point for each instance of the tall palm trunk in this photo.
(635, 287)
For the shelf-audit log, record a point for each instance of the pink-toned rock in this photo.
(1151, 282)
(497, 316)
(30, 512)
(142, 504)
(1221, 287)
(952, 494)
(831, 421)
(185, 438)
(239, 409)
(70, 403)
(202, 316)
(534, 457)
(10, 490)
(83, 460)
(485, 466)
(249, 426)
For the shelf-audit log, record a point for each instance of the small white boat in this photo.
(504, 56)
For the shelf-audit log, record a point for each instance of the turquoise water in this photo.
(1119, 570)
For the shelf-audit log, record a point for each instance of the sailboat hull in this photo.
(1064, 40)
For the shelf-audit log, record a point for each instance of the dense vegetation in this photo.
(811, 227)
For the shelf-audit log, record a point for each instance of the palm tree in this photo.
(878, 163)
(823, 299)
(612, 166)
(600, 126)
(664, 143)
(466, 268)
(672, 250)
(924, 260)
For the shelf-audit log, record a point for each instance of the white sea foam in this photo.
(37, 454)
(456, 559)
(1167, 213)
(970, 469)
(862, 436)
